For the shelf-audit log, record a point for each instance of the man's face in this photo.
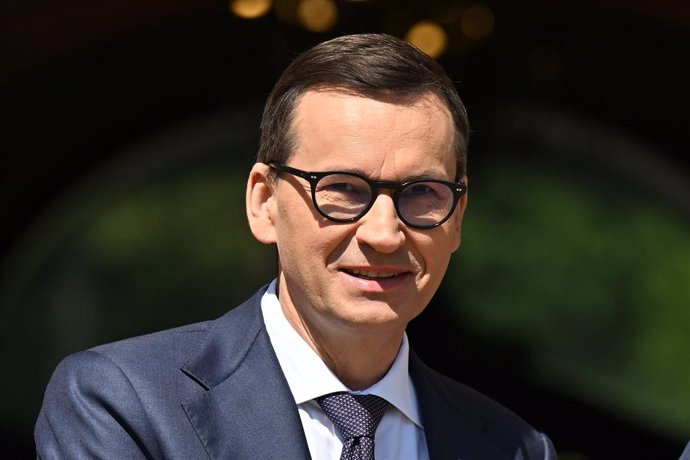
(375, 274)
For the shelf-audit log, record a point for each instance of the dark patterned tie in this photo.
(356, 417)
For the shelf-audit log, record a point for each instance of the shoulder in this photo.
(456, 404)
(473, 404)
(119, 369)
(159, 353)
(169, 346)
(123, 397)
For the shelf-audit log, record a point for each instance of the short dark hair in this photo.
(376, 66)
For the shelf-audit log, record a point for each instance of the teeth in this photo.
(368, 274)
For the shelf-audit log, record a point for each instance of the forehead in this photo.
(335, 128)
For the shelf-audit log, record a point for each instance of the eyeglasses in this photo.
(346, 197)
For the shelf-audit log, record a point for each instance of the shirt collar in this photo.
(308, 376)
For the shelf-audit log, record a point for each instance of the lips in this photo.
(371, 275)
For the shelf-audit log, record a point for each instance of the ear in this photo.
(458, 216)
(260, 204)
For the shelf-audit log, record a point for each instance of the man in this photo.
(361, 185)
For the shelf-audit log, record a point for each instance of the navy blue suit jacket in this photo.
(215, 390)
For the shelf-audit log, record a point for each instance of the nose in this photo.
(380, 227)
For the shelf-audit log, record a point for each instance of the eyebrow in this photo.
(423, 174)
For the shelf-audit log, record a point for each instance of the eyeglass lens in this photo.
(420, 203)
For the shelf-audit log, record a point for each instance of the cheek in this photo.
(339, 245)
(435, 251)
(308, 243)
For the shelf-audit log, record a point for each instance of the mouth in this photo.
(371, 275)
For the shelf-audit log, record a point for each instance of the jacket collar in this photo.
(246, 409)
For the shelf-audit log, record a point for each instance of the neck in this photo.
(358, 354)
(357, 362)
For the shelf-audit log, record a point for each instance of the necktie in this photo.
(356, 417)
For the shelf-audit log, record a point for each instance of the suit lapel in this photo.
(246, 409)
(449, 430)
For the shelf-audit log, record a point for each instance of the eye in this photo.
(343, 185)
(339, 187)
(344, 191)
(419, 189)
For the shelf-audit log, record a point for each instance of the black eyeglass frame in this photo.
(457, 188)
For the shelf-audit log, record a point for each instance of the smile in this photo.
(371, 275)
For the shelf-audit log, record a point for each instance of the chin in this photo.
(381, 314)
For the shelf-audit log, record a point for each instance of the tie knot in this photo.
(354, 415)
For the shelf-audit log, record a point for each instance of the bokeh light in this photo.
(477, 22)
(317, 15)
(429, 37)
(250, 9)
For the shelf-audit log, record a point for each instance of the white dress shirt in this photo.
(400, 434)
